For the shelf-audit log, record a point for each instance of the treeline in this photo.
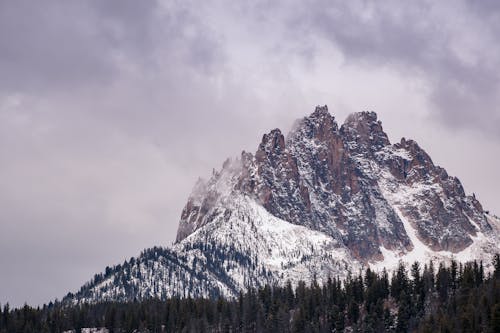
(454, 298)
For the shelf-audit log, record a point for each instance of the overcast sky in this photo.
(110, 110)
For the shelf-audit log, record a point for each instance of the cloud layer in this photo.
(109, 111)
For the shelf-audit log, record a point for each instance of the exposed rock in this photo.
(328, 179)
(321, 201)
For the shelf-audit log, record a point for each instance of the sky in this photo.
(111, 110)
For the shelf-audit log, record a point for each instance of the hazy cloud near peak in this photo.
(110, 110)
(446, 43)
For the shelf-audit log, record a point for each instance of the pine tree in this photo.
(442, 282)
(6, 315)
(399, 281)
(353, 312)
(495, 318)
(496, 265)
(404, 311)
(453, 275)
(388, 320)
(465, 300)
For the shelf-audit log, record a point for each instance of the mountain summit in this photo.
(323, 201)
(349, 183)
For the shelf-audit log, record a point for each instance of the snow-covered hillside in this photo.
(324, 201)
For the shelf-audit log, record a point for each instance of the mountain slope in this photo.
(251, 248)
(345, 182)
(324, 201)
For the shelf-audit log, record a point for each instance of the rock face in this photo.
(349, 183)
(324, 200)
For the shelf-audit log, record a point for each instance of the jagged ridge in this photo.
(322, 201)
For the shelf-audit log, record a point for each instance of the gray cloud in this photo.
(110, 110)
(53, 43)
(448, 44)
(62, 45)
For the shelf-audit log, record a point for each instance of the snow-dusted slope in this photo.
(325, 201)
(248, 248)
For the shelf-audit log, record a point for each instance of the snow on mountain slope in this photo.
(249, 248)
(324, 201)
(283, 250)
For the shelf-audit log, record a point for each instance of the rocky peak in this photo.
(419, 166)
(319, 125)
(351, 184)
(363, 119)
(273, 144)
(415, 151)
(320, 111)
(322, 203)
(321, 116)
(363, 130)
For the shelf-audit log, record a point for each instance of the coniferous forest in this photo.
(428, 298)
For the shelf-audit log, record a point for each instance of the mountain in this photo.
(323, 201)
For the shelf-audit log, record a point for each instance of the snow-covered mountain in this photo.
(324, 201)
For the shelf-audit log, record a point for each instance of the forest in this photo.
(420, 298)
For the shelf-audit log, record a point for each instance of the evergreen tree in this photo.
(495, 318)
(464, 300)
(399, 281)
(442, 282)
(496, 265)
